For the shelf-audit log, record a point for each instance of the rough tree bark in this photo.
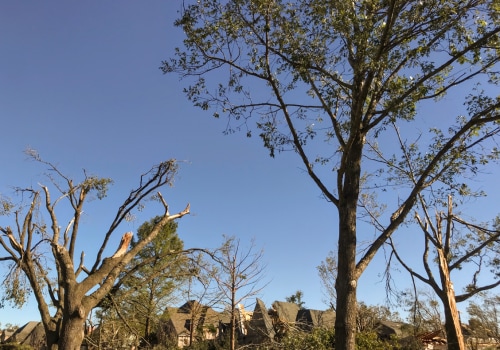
(347, 274)
(454, 336)
(453, 327)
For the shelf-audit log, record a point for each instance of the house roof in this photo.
(6, 334)
(28, 333)
(316, 318)
(260, 326)
(388, 328)
(192, 310)
(286, 312)
(225, 317)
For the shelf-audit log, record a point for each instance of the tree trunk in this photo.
(52, 333)
(232, 335)
(347, 276)
(72, 333)
(346, 284)
(453, 327)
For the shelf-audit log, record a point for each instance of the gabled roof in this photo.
(28, 334)
(192, 311)
(225, 317)
(286, 312)
(6, 334)
(316, 318)
(260, 326)
(189, 306)
(388, 328)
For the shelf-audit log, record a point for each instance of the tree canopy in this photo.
(342, 84)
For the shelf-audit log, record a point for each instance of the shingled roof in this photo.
(32, 333)
(192, 311)
(308, 319)
(260, 327)
(286, 312)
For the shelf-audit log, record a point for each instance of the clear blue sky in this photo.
(79, 82)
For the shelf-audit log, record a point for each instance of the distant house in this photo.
(193, 322)
(189, 323)
(32, 334)
(268, 325)
(6, 334)
(388, 329)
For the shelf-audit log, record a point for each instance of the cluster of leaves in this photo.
(296, 298)
(371, 341)
(318, 339)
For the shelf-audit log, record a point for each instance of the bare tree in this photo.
(448, 248)
(327, 272)
(43, 258)
(239, 276)
(201, 293)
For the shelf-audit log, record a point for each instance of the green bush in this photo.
(371, 341)
(318, 339)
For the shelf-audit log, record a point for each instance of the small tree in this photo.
(296, 298)
(451, 243)
(200, 294)
(327, 272)
(424, 311)
(238, 274)
(369, 316)
(43, 255)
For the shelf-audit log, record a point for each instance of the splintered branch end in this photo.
(124, 243)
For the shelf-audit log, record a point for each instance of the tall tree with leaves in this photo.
(43, 254)
(149, 285)
(329, 79)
